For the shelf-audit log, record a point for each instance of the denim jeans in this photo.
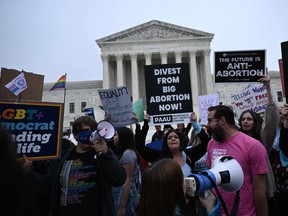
(132, 201)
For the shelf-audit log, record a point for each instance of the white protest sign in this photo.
(117, 103)
(205, 101)
(254, 97)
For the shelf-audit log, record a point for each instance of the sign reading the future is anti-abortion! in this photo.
(168, 93)
(239, 66)
(36, 128)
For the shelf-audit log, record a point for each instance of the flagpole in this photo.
(65, 90)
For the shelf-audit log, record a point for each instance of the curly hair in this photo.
(165, 149)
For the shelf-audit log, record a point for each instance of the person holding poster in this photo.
(173, 147)
(252, 124)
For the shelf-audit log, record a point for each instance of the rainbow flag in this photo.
(61, 83)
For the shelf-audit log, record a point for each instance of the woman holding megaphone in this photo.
(83, 179)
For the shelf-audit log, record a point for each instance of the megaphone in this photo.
(105, 130)
(226, 173)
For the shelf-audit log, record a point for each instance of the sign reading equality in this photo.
(239, 66)
(36, 127)
(168, 93)
(118, 105)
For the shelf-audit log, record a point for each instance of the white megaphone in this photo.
(105, 130)
(226, 173)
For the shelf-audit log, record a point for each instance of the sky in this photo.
(54, 37)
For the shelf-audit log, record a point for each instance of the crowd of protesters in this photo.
(109, 177)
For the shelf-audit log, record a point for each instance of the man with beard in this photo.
(249, 152)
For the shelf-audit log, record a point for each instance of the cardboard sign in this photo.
(118, 105)
(239, 66)
(34, 89)
(254, 97)
(205, 101)
(168, 93)
(36, 128)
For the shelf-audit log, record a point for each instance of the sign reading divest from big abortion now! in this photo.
(168, 93)
(239, 66)
(254, 97)
(36, 127)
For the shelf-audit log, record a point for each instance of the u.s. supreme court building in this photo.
(124, 55)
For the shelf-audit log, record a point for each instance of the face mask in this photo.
(84, 136)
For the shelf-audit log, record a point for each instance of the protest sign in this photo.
(168, 93)
(89, 111)
(34, 84)
(254, 97)
(118, 105)
(239, 66)
(36, 128)
(284, 52)
(205, 101)
(139, 109)
(280, 63)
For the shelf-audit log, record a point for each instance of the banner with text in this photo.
(118, 105)
(36, 127)
(239, 66)
(168, 93)
(205, 101)
(254, 97)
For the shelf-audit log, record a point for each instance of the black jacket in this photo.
(152, 155)
(111, 174)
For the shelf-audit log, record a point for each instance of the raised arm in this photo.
(271, 117)
(196, 152)
(150, 155)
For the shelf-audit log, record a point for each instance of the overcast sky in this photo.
(54, 37)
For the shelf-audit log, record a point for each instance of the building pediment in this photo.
(154, 30)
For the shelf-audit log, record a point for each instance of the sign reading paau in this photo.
(239, 66)
(168, 93)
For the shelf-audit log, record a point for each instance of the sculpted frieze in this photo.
(154, 32)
